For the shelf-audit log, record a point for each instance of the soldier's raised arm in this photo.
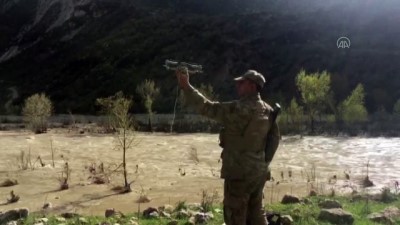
(219, 111)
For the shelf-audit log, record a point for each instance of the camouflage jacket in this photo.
(243, 137)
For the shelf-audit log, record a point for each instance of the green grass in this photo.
(302, 214)
(307, 214)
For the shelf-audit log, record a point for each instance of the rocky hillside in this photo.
(79, 50)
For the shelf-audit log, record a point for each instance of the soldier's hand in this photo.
(182, 75)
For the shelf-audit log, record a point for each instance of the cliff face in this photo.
(78, 50)
(47, 15)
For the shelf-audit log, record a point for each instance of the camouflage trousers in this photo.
(243, 202)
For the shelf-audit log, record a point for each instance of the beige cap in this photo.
(254, 76)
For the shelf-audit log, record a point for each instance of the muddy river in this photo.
(168, 168)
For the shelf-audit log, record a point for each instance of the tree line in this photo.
(316, 100)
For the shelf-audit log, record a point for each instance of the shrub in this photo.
(36, 111)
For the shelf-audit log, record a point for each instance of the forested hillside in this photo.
(77, 51)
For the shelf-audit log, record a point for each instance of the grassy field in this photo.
(302, 213)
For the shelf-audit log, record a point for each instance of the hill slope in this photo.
(76, 51)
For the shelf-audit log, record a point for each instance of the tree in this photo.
(314, 89)
(117, 108)
(352, 109)
(148, 92)
(396, 108)
(295, 112)
(36, 111)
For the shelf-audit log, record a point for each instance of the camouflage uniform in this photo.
(243, 137)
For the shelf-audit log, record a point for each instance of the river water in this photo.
(157, 161)
(330, 156)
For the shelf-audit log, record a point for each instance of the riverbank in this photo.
(168, 168)
(322, 210)
(377, 125)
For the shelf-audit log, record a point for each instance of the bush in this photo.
(37, 109)
(353, 108)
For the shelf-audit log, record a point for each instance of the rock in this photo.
(154, 215)
(23, 212)
(143, 199)
(12, 223)
(367, 182)
(148, 211)
(290, 199)
(47, 205)
(192, 212)
(133, 222)
(273, 218)
(83, 220)
(42, 220)
(336, 216)
(387, 216)
(210, 215)
(60, 219)
(172, 222)
(330, 204)
(286, 220)
(109, 212)
(13, 214)
(200, 218)
(380, 218)
(392, 211)
(182, 214)
(165, 215)
(69, 215)
(166, 208)
(38, 223)
(8, 183)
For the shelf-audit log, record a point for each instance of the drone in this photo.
(174, 65)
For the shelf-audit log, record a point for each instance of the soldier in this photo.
(243, 139)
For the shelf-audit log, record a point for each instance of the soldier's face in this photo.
(245, 87)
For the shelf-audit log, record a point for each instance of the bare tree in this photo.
(117, 108)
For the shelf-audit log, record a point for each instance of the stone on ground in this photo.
(290, 199)
(336, 216)
(330, 204)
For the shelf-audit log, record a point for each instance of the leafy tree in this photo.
(352, 109)
(117, 108)
(148, 92)
(36, 111)
(295, 111)
(314, 89)
(396, 108)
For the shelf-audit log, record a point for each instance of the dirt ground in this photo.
(165, 167)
